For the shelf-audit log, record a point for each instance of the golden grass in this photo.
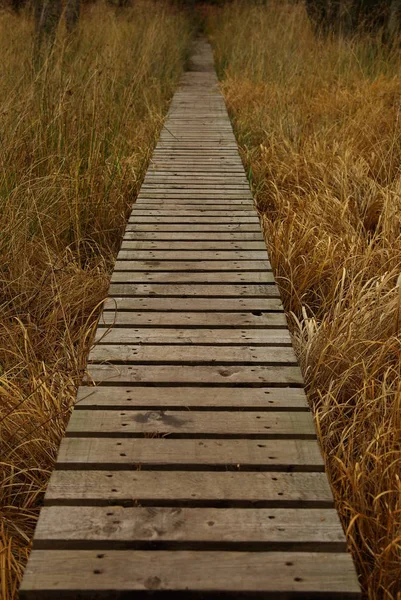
(319, 127)
(76, 136)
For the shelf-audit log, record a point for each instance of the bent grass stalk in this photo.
(77, 133)
(318, 126)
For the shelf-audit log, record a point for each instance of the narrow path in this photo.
(193, 468)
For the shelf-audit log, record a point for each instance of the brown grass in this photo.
(76, 136)
(319, 127)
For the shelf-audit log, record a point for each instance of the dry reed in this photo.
(318, 122)
(77, 132)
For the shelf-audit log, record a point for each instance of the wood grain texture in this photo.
(189, 453)
(285, 424)
(193, 488)
(192, 354)
(192, 244)
(196, 375)
(266, 398)
(318, 529)
(188, 212)
(188, 277)
(195, 255)
(225, 228)
(258, 319)
(194, 236)
(233, 205)
(274, 574)
(191, 336)
(182, 290)
(199, 266)
(190, 305)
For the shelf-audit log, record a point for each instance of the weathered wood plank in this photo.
(186, 212)
(196, 165)
(191, 245)
(132, 334)
(220, 320)
(294, 529)
(266, 398)
(207, 305)
(183, 175)
(275, 574)
(193, 354)
(100, 423)
(129, 453)
(193, 195)
(233, 206)
(193, 289)
(229, 188)
(196, 375)
(188, 236)
(191, 266)
(201, 220)
(212, 488)
(189, 277)
(198, 255)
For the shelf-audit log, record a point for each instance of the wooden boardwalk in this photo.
(192, 469)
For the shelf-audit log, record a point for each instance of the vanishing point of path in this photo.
(193, 469)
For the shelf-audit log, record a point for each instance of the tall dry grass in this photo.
(76, 134)
(319, 127)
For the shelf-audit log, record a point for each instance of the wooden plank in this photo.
(178, 150)
(195, 146)
(98, 423)
(166, 187)
(132, 334)
(144, 212)
(195, 164)
(195, 319)
(191, 266)
(214, 488)
(200, 220)
(182, 175)
(194, 191)
(235, 207)
(221, 156)
(193, 354)
(196, 375)
(151, 452)
(196, 169)
(275, 574)
(218, 398)
(194, 290)
(196, 255)
(197, 136)
(285, 529)
(212, 188)
(197, 139)
(231, 190)
(189, 277)
(207, 305)
(227, 227)
(194, 194)
(184, 236)
(191, 245)
(199, 168)
(177, 203)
